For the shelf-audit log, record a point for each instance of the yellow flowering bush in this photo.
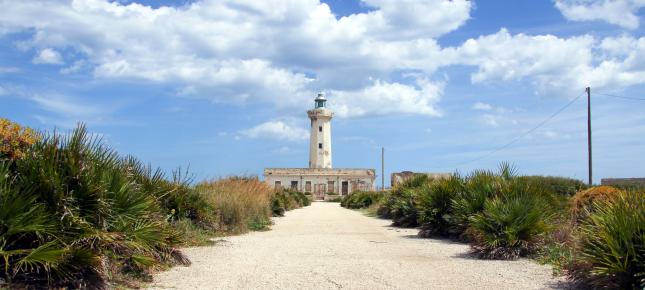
(15, 140)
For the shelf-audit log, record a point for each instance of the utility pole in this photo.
(382, 168)
(589, 131)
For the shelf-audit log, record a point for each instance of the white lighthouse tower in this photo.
(320, 140)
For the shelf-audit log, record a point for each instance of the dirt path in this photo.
(325, 247)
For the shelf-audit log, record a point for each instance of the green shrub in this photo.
(509, 226)
(403, 211)
(286, 200)
(72, 214)
(394, 204)
(360, 199)
(384, 206)
(611, 253)
(415, 181)
(435, 206)
(478, 187)
(333, 199)
(556, 185)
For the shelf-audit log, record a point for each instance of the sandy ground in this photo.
(325, 246)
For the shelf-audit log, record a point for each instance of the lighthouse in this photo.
(320, 179)
(320, 138)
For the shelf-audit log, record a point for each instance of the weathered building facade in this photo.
(320, 178)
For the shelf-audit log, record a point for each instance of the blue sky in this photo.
(222, 87)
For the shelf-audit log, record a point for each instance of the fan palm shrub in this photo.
(404, 211)
(436, 206)
(395, 202)
(611, 252)
(87, 221)
(479, 186)
(510, 225)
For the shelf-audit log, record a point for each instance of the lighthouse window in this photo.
(319, 128)
(319, 145)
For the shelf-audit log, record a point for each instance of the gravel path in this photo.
(324, 246)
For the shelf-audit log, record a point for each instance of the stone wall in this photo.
(623, 181)
(399, 177)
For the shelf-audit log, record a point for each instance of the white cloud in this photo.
(280, 52)
(482, 106)
(276, 130)
(413, 19)
(3, 91)
(240, 51)
(385, 98)
(618, 12)
(554, 65)
(48, 56)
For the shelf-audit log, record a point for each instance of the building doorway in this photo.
(319, 191)
(344, 187)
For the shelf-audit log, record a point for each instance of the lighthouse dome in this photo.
(320, 100)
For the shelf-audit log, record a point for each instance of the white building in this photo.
(320, 177)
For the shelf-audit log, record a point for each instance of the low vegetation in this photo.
(74, 213)
(360, 199)
(595, 235)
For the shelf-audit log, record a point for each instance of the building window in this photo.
(307, 186)
(278, 184)
(330, 186)
(319, 145)
(294, 185)
(319, 128)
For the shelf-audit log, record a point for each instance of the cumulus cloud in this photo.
(554, 64)
(385, 98)
(281, 52)
(48, 56)
(203, 48)
(617, 12)
(279, 130)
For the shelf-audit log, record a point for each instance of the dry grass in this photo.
(240, 203)
(582, 201)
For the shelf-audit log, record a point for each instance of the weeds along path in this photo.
(324, 246)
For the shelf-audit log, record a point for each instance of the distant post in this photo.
(382, 168)
(589, 132)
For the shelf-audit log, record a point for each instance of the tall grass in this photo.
(238, 202)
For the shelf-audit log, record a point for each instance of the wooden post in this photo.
(382, 168)
(589, 132)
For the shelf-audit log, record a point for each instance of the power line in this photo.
(525, 133)
(620, 97)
